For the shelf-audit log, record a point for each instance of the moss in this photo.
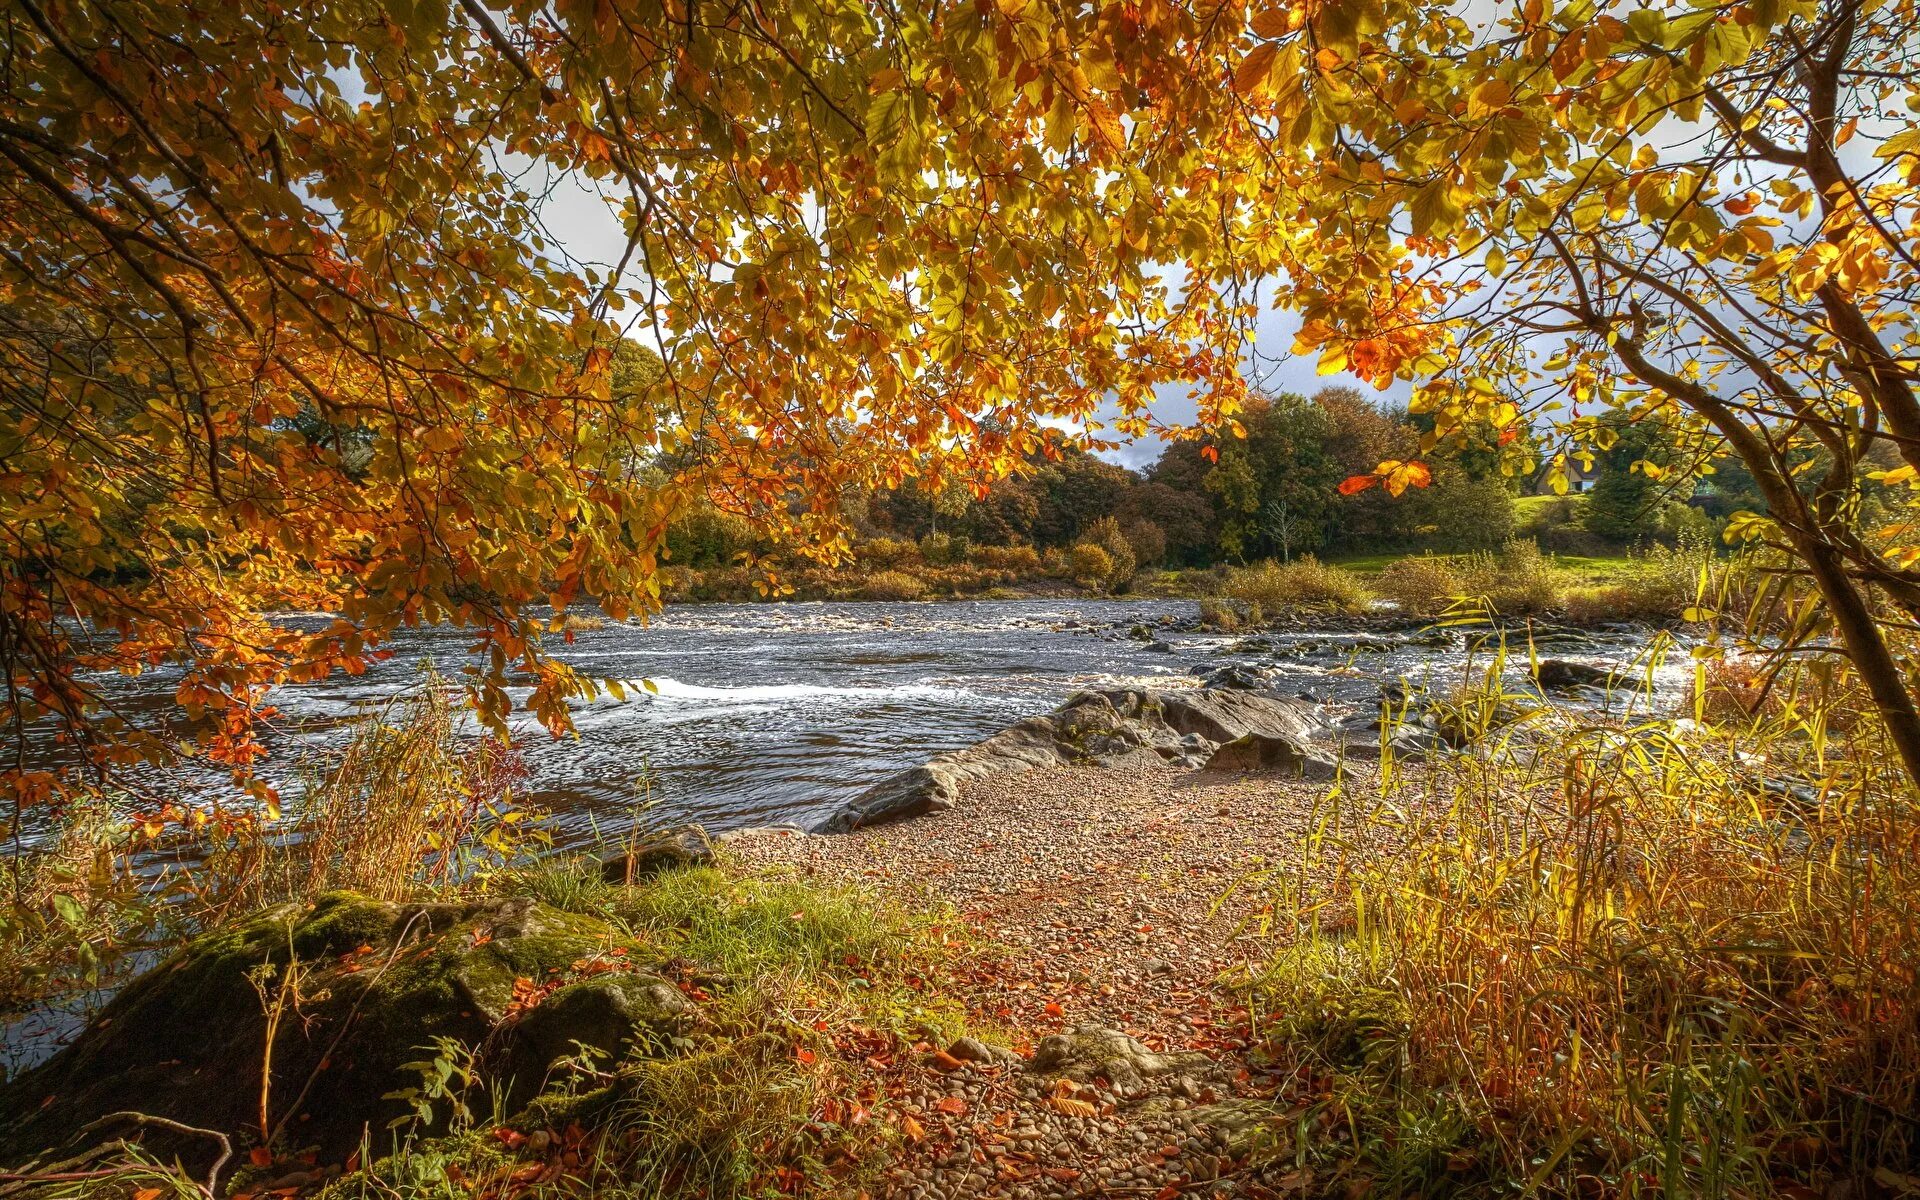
(379, 981)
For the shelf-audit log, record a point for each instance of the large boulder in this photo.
(1121, 728)
(376, 986)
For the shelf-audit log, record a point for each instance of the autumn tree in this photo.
(1700, 213)
(284, 323)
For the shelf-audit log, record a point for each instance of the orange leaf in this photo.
(1355, 484)
(260, 1156)
(952, 1104)
(1411, 474)
(147, 1193)
(1254, 68)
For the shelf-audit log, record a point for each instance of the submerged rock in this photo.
(1561, 674)
(1125, 727)
(376, 984)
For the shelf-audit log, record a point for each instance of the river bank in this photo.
(1175, 974)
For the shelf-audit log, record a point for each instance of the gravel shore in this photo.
(1127, 900)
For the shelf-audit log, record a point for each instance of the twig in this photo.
(212, 1186)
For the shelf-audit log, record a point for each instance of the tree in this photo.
(1628, 501)
(282, 325)
(1703, 213)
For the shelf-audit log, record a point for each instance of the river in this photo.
(778, 713)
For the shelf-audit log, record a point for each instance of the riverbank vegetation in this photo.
(1657, 959)
(1069, 521)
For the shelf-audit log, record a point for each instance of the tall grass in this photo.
(1616, 959)
(1304, 583)
(404, 808)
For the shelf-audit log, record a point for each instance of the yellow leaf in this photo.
(1272, 23)
(1255, 68)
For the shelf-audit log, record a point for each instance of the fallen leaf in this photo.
(952, 1104)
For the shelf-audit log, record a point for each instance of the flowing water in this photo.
(778, 713)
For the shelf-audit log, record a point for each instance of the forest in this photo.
(713, 599)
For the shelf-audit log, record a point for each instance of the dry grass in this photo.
(893, 585)
(1646, 961)
(1305, 583)
(403, 809)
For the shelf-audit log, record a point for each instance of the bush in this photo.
(1424, 585)
(1149, 542)
(1518, 581)
(1305, 582)
(1021, 560)
(1089, 566)
(1638, 945)
(886, 553)
(892, 585)
(943, 549)
(1220, 615)
(1660, 584)
(1106, 534)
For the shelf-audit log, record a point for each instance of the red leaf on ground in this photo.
(952, 1104)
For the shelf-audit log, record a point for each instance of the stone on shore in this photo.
(665, 850)
(376, 984)
(1120, 728)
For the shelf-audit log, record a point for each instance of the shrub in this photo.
(1424, 585)
(893, 585)
(944, 549)
(1106, 534)
(1089, 566)
(1305, 582)
(1218, 614)
(1518, 581)
(1535, 898)
(1021, 560)
(886, 552)
(1659, 584)
(1148, 540)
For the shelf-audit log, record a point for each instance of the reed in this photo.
(1615, 958)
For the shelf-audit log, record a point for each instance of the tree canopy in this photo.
(283, 325)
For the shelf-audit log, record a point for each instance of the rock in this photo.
(1262, 752)
(378, 981)
(1091, 1051)
(1244, 1126)
(1125, 727)
(1160, 647)
(682, 846)
(607, 1012)
(1559, 674)
(1140, 633)
(1241, 678)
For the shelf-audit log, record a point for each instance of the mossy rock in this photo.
(378, 982)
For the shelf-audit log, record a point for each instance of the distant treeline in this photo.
(1273, 494)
